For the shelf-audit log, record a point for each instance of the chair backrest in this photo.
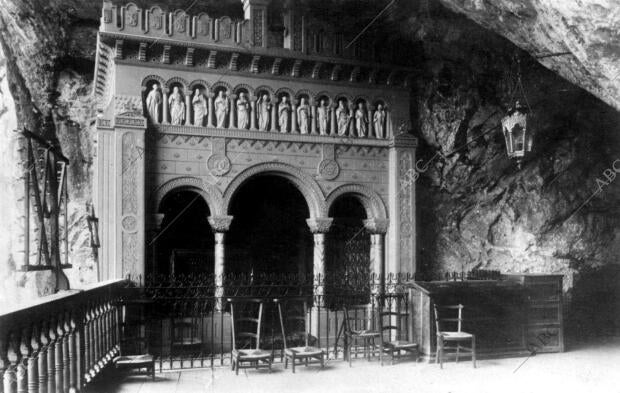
(357, 317)
(390, 314)
(294, 320)
(440, 319)
(246, 319)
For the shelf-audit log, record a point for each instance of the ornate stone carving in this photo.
(319, 224)
(177, 107)
(218, 164)
(129, 223)
(221, 109)
(153, 103)
(243, 111)
(220, 223)
(376, 225)
(329, 169)
(199, 104)
(132, 157)
(405, 165)
(303, 116)
(361, 120)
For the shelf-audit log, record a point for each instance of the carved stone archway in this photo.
(209, 193)
(372, 202)
(305, 184)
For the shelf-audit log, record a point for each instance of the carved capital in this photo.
(376, 226)
(220, 223)
(319, 225)
(155, 221)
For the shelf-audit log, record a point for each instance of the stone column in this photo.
(402, 205)
(294, 126)
(377, 228)
(153, 228)
(312, 118)
(253, 113)
(232, 118)
(166, 118)
(333, 124)
(274, 114)
(319, 227)
(209, 109)
(220, 225)
(371, 123)
(188, 106)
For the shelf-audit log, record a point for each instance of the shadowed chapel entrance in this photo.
(186, 243)
(269, 233)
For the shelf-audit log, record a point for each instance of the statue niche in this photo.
(361, 120)
(199, 105)
(379, 121)
(343, 118)
(153, 104)
(221, 108)
(264, 109)
(243, 111)
(284, 113)
(177, 106)
(303, 115)
(322, 113)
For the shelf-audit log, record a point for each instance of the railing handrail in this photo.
(45, 305)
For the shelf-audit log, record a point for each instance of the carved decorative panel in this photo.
(406, 213)
(132, 156)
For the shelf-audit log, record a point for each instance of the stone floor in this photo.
(594, 367)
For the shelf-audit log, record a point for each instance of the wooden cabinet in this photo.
(515, 316)
(544, 322)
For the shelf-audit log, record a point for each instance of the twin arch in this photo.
(318, 204)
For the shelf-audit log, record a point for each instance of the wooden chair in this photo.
(246, 319)
(390, 321)
(452, 336)
(294, 324)
(134, 335)
(356, 328)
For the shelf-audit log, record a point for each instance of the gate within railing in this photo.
(186, 326)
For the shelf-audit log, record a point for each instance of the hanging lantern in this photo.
(93, 227)
(515, 125)
(516, 133)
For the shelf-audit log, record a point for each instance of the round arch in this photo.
(220, 84)
(179, 80)
(305, 184)
(265, 88)
(199, 82)
(245, 87)
(330, 99)
(209, 193)
(372, 202)
(153, 78)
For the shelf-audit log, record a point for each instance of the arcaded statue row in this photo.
(267, 114)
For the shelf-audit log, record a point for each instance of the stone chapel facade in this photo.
(205, 104)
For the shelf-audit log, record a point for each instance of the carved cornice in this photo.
(220, 223)
(319, 224)
(377, 226)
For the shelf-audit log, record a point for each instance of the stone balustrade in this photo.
(60, 342)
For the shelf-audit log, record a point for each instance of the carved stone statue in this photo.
(323, 117)
(243, 111)
(342, 118)
(264, 106)
(177, 107)
(361, 120)
(200, 107)
(221, 109)
(379, 122)
(284, 113)
(153, 100)
(303, 116)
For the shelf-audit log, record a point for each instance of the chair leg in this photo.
(441, 353)
(437, 351)
(458, 348)
(237, 368)
(293, 364)
(286, 362)
(322, 360)
(473, 350)
(349, 353)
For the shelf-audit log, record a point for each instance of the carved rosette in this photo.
(328, 169)
(218, 164)
(220, 224)
(377, 226)
(319, 225)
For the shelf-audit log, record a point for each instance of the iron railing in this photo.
(186, 326)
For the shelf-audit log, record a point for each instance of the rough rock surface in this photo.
(586, 32)
(476, 208)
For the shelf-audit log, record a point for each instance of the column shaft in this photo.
(333, 125)
(219, 268)
(233, 112)
(313, 119)
(274, 115)
(294, 126)
(188, 113)
(166, 118)
(210, 110)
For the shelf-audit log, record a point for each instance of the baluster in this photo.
(117, 328)
(78, 328)
(87, 344)
(4, 363)
(102, 333)
(92, 343)
(66, 361)
(71, 350)
(42, 358)
(22, 366)
(59, 357)
(9, 381)
(98, 339)
(51, 356)
(95, 341)
(33, 360)
(108, 331)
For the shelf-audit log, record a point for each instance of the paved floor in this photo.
(587, 368)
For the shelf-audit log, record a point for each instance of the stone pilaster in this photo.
(377, 229)
(402, 205)
(294, 126)
(232, 118)
(210, 109)
(188, 108)
(166, 116)
(253, 113)
(274, 115)
(120, 198)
